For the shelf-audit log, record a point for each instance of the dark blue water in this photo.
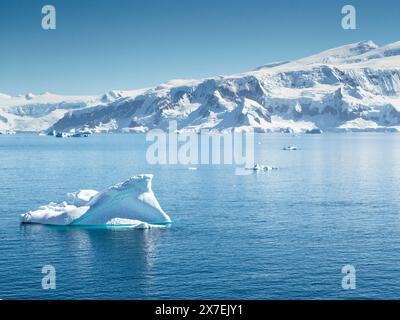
(280, 235)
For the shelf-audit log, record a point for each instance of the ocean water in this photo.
(283, 234)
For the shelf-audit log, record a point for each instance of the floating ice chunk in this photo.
(288, 130)
(289, 148)
(314, 131)
(8, 132)
(63, 135)
(258, 167)
(81, 135)
(129, 203)
(269, 168)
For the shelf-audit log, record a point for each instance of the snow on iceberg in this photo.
(131, 203)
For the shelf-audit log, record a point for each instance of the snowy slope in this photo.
(352, 87)
(37, 112)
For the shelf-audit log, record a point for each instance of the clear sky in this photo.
(101, 45)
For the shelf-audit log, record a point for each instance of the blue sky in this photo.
(101, 45)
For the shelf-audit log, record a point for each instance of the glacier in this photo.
(129, 204)
(355, 87)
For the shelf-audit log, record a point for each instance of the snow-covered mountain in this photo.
(39, 112)
(353, 87)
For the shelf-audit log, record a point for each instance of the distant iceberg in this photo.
(258, 167)
(129, 204)
(289, 148)
(314, 131)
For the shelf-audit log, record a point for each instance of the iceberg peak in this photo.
(139, 183)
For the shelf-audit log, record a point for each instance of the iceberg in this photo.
(289, 148)
(128, 204)
(8, 132)
(258, 167)
(314, 131)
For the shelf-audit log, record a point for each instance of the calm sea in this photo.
(283, 234)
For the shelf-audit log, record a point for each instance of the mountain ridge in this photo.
(354, 87)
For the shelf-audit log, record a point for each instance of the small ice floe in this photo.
(286, 130)
(314, 131)
(79, 134)
(192, 168)
(258, 167)
(63, 135)
(130, 204)
(8, 132)
(84, 134)
(289, 148)
(269, 168)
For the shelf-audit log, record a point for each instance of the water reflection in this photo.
(122, 260)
